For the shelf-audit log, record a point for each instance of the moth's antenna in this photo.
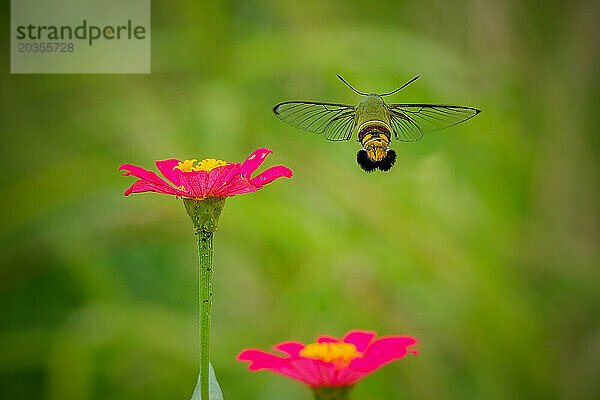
(350, 86)
(403, 86)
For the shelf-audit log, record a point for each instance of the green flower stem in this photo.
(205, 218)
(332, 393)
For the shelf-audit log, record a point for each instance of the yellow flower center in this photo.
(208, 164)
(338, 353)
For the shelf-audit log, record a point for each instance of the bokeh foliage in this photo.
(482, 242)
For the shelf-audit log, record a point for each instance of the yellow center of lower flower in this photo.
(338, 353)
(207, 165)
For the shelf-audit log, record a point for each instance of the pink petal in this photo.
(238, 185)
(327, 339)
(146, 186)
(271, 174)
(253, 162)
(347, 377)
(291, 348)
(381, 352)
(194, 182)
(260, 360)
(263, 360)
(142, 174)
(166, 168)
(360, 339)
(308, 371)
(241, 189)
(220, 176)
(327, 372)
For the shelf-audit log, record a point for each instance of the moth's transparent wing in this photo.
(410, 121)
(336, 121)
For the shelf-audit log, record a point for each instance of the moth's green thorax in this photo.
(372, 108)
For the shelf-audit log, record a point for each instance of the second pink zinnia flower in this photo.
(331, 362)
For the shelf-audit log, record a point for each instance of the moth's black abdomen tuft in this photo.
(388, 161)
(365, 162)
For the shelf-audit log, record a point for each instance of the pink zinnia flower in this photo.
(207, 178)
(331, 362)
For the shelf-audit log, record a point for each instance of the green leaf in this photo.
(214, 390)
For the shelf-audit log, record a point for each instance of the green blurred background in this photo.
(482, 241)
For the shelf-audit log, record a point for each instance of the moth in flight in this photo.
(374, 121)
